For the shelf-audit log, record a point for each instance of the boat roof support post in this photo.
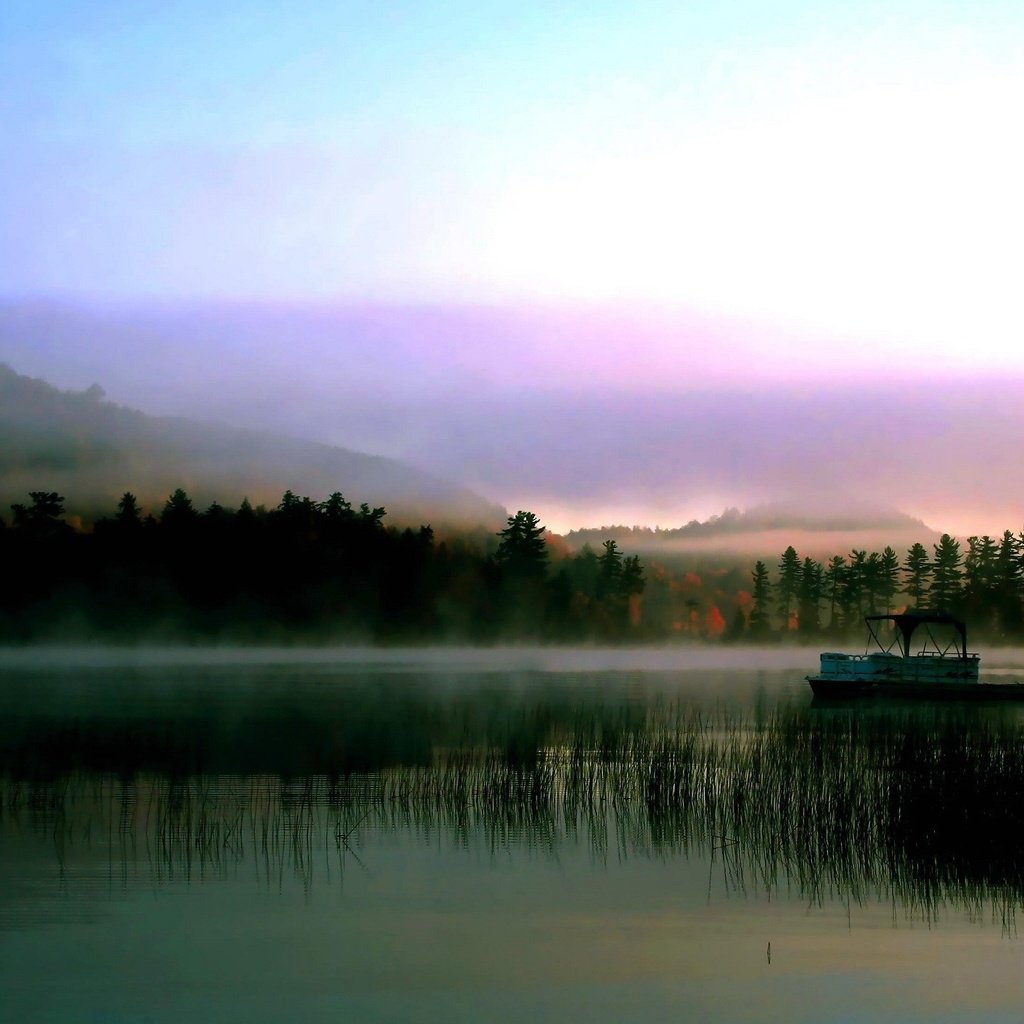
(907, 622)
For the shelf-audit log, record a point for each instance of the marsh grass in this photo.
(921, 808)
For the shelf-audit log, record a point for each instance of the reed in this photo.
(918, 808)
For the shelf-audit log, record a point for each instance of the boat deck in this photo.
(845, 688)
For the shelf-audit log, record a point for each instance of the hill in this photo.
(828, 528)
(92, 450)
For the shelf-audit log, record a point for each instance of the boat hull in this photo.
(837, 689)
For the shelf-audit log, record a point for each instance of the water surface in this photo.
(545, 835)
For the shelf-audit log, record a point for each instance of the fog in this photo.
(587, 420)
(447, 661)
(93, 450)
(669, 668)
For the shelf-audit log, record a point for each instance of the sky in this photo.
(715, 197)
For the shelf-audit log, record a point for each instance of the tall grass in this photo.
(918, 807)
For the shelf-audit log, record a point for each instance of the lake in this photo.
(466, 835)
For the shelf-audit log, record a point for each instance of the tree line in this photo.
(982, 583)
(303, 570)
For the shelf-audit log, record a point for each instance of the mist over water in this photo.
(672, 663)
(450, 834)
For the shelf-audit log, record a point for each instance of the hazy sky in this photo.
(849, 166)
(780, 190)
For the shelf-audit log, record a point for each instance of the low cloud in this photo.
(665, 421)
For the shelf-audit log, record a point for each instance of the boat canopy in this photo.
(907, 623)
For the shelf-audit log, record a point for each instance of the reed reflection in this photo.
(918, 806)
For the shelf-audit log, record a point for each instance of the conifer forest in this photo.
(323, 571)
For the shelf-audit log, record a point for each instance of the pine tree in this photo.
(1007, 587)
(834, 583)
(522, 552)
(128, 512)
(633, 581)
(918, 570)
(979, 591)
(46, 508)
(609, 576)
(759, 614)
(853, 594)
(872, 577)
(337, 510)
(178, 510)
(789, 584)
(946, 574)
(811, 582)
(889, 578)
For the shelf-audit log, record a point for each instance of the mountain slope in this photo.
(765, 530)
(91, 451)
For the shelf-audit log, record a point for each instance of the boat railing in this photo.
(942, 654)
(876, 655)
(871, 655)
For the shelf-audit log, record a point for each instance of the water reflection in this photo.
(198, 777)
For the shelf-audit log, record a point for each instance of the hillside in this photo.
(765, 530)
(92, 450)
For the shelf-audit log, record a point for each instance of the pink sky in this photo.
(588, 418)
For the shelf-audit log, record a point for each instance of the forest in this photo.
(327, 571)
(982, 584)
(302, 571)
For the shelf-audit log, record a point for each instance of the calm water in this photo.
(501, 836)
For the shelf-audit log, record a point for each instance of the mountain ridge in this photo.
(761, 528)
(92, 450)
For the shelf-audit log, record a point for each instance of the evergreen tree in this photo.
(1007, 587)
(853, 593)
(789, 584)
(809, 596)
(872, 578)
(46, 509)
(128, 512)
(336, 510)
(178, 510)
(633, 581)
(738, 627)
(759, 614)
(889, 578)
(946, 574)
(41, 519)
(374, 517)
(980, 572)
(522, 552)
(918, 570)
(834, 584)
(609, 577)
(522, 560)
